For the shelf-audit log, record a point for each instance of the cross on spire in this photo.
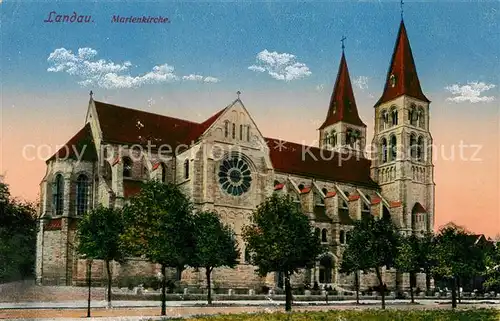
(401, 5)
(91, 94)
(342, 40)
(238, 93)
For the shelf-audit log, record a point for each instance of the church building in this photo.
(226, 165)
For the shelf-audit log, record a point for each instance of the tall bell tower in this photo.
(342, 129)
(403, 164)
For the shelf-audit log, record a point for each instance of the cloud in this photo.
(470, 92)
(361, 82)
(200, 78)
(280, 66)
(107, 74)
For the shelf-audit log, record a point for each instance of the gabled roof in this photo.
(130, 126)
(342, 103)
(403, 69)
(81, 142)
(418, 209)
(292, 158)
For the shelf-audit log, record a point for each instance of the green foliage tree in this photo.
(427, 260)
(158, 226)
(457, 256)
(374, 244)
(99, 238)
(409, 260)
(281, 239)
(352, 264)
(18, 230)
(215, 245)
(492, 273)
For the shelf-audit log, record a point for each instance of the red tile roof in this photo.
(131, 188)
(53, 225)
(342, 103)
(305, 190)
(418, 209)
(129, 126)
(156, 165)
(330, 194)
(278, 187)
(376, 201)
(353, 197)
(81, 142)
(403, 68)
(396, 204)
(303, 160)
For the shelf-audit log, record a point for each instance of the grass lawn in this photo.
(367, 315)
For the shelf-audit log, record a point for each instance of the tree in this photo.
(492, 272)
(408, 259)
(281, 239)
(99, 233)
(215, 245)
(18, 230)
(457, 256)
(158, 226)
(374, 244)
(352, 264)
(427, 258)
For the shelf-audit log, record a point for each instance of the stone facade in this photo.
(403, 187)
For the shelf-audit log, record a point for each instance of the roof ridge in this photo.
(148, 112)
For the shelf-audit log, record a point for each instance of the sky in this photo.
(282, 56)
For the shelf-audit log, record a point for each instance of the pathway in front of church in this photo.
(122, 309)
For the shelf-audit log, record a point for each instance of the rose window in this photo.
(235, 176)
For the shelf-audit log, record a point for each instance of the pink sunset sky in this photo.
(467, 185)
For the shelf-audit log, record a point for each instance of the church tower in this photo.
(342, 129)
(402, 164)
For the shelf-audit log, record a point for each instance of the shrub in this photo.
(366, 315)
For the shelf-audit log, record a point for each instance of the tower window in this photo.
(412, 115)
(186, 169)
(324, 235)
(394, 148)
(394, 117)
(421, 119)
(420, 147)
(383, 150)
(392, 80)
(342, 237)
(127, 167)
(82, 187)
(413, 146)
(226, 129)
(384, 120)
(58, 194)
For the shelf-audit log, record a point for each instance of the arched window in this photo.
(333, 137)
(226, 128)
(241, 132)
(58, 195)
(342, 237)
(394, 117)
(347, 237)
(413, 146)
(412, 115)
(351, 137)
(248, 133)
(163, 169)
(234, 130)
(420, 148)
(324, 235)
(326, 139)
(186, 169)
(383, 151)
(392, 80)
(127, 167)
(384, 120)
(317, 231)
(108, 174)
(393, 148)
(82, 192)
(421, 118)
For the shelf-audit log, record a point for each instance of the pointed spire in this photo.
(342, 103)
(402, 78)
